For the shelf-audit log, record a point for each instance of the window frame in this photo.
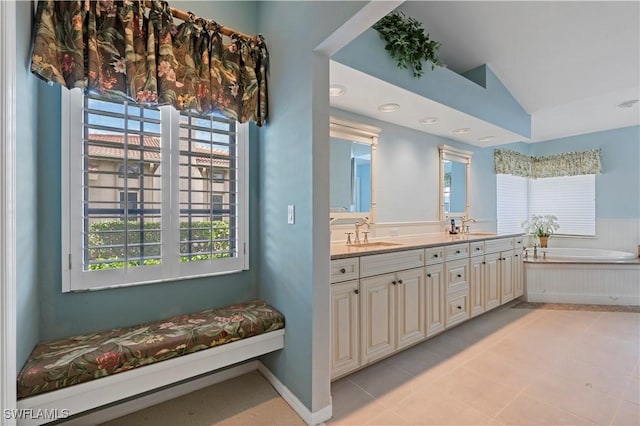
(74, 277)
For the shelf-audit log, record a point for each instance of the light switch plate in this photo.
(291, 214)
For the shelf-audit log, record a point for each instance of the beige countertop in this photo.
(343, 251)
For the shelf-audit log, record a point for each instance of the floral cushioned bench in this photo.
(66, 362)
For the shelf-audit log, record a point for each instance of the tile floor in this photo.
(511, 366)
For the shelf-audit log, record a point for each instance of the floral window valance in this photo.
(125, 50)
(511, 162)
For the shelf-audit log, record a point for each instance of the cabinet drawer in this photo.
(456, 251)
(457, 275)
(477, 248)
(434, 255)
(457, 308)
(377, 264)
(345, 269)
(494, 246)
(518, 242)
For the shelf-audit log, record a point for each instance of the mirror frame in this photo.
(363, 133)
(454, 154)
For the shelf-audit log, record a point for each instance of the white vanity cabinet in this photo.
(518, 268)
(477, 279)
(457, 284)
(383, 303)
(345, 327)
(392, 304)
(345, 316)
(435, 297)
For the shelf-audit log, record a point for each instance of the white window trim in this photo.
(74, 278)
(8, 327)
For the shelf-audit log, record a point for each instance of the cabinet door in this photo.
(457, 308)
(345, 328)
(506, 276)
(377, 314)
(518, 274)
(435, 295)
(410, 323)
(492, 281)
(457, 275)
(476, 285)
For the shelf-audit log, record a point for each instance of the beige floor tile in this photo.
(619, 356)
(247, 399)
(388, 417)
(575, 396)
(628, 414)
(351, 402)
(384, 382)
(528, 411)
(502, 369)
(620, 325)
(599, 379)
(434, 408)
(632, 390)
(452, 348)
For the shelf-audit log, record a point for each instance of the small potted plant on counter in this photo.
(542, 226)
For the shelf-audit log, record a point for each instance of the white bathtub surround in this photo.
(581, 255)
(584, 283)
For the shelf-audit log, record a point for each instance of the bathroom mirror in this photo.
(352, 177)
(455, 165)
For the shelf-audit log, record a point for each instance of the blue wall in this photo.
(26, 191)
(294, 169)
(71, 313)
(618, 187)
(492, 103)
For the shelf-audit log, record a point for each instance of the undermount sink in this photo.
(482, 233)
(375, 244)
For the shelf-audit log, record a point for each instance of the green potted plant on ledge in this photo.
(541, 226)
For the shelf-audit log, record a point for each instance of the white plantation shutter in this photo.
(572, 199)
(511, 203)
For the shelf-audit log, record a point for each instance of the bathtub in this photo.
(584, 276)
(582, 255)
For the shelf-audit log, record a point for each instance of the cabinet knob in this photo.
(393, 282)
(459, 307)
(519, 242)
(429, 275)
(399, 281)
(457, 251)
(356, 291)
(516, 255)
(477, 248)
(343, 271)
(459, 276)
(435, 255)
(484, 263)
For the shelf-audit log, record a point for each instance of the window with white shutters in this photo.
(150, 194)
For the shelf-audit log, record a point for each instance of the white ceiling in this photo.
(568, 63)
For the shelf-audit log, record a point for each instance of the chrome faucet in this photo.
(535, 251)
(464, 228)
(358, 224)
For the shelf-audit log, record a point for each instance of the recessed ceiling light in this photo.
(429, 120)
(628, 104)
(388, 107)
(462, 131)
(486, 139)
(337, 90)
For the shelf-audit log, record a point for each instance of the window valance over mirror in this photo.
(511, 162)
(132, 50)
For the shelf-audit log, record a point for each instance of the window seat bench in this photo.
(62, 374)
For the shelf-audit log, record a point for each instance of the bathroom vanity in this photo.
(387, 296)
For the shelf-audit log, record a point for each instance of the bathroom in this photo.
(290, 160)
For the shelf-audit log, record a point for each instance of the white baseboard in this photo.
(172, 392)
(310, 418)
